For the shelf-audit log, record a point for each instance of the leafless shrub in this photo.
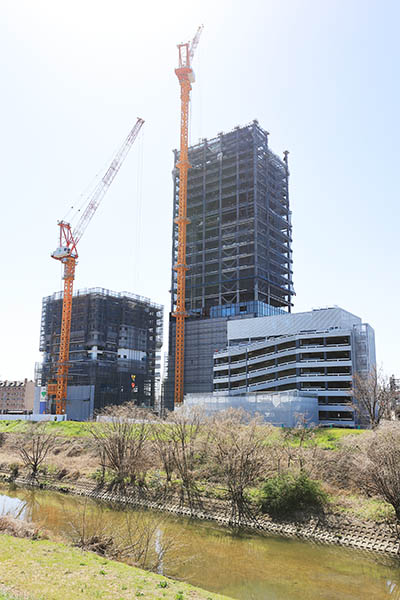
(143, 539)
(237, 452)
(37, 443)
(162, 448)
(373, 397)
(89, 531)
(381, 464)
(183, 433)
(138, 538)
(120, 443)
(299, 444)
(339, 468)
(275, 457)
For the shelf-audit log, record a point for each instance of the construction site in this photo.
(231, 262)
(114, 351)
(238, 246)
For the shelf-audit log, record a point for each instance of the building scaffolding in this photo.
(114, 335)
(238, 245)
(239, 230)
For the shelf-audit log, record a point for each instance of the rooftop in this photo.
(104, 292)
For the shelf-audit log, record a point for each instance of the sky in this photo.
(320, 76)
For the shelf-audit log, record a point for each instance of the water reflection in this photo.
(246, 566)
(13, 506)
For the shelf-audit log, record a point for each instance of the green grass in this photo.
(41, 569)
(330, 438)
(12, 426)
(69, 428)
(62, 428)
(366, 509)
(6, 594)
(325, 438)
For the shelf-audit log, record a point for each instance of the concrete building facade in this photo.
(17, 395)
(317, 351)
(115, 340)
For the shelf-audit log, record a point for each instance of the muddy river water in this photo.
(246, 566)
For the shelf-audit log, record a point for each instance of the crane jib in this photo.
(68, 254)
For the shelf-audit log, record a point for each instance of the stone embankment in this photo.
(327, 529)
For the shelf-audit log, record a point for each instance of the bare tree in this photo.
(381, 468)
(373, 397)
(120, 439)
(183, 437)
(36, 445)
(298, 440)
(163, 448)
(237, 454)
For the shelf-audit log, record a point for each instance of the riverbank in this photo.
(33, 569)
(327, 528)
(347, 516)
(238, 564)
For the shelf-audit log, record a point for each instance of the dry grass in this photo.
(76, 456)
(8, 593)
(20, 529)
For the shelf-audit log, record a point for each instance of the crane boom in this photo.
(105, 182)
(67, 254)
(195, 42)
(185, 75)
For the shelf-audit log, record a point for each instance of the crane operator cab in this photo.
(61, 252)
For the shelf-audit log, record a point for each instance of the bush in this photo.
(14, 471)
(287, 493)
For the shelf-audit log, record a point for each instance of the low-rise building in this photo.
(17, 395)
(317, 351)
(282, 409)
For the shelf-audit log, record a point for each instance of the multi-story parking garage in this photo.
(317, 351)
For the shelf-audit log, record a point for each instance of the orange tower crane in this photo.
(67, 254)
(185, 76)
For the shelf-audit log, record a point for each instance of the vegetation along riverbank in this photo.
(330, 485)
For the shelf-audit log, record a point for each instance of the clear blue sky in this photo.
(321, 77)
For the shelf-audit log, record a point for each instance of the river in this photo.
(245, 566)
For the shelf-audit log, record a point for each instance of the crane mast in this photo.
(185, 75)
(67, 254)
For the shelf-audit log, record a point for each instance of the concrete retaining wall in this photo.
(373, 537)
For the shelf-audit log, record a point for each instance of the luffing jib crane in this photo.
(67, 254)
(185, 76)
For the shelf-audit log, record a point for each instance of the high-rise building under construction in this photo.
(114, 349)
(238, 245)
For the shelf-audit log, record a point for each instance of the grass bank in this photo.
(7, 596)
(62, 428)
(330, 438)
(45, 570)
(325, 438)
